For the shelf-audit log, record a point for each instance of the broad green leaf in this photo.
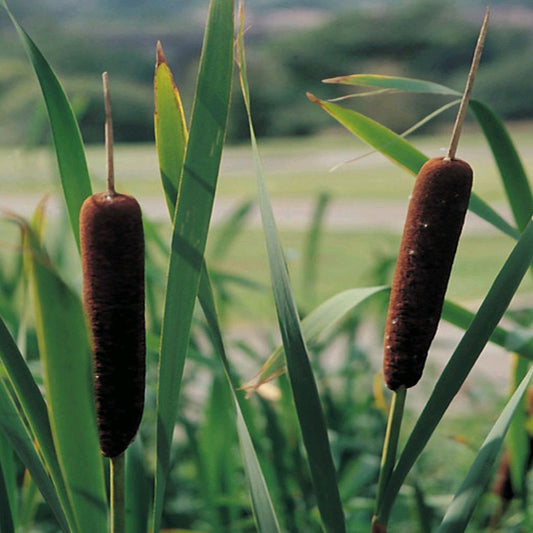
(16, 433)
(65, 130)
(323, 317)
(138, 489)
(67, 369)
(170, 129)
(466, 498)
(402, 153)
(512, 171)
(33, 407)
(191, 223)
(305, 393)
(462, 360)
(394, 83)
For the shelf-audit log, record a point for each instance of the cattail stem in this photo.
(463, 106)
(390, 447)
(110, 168)
(118, 493)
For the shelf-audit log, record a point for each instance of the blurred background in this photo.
(291, 46)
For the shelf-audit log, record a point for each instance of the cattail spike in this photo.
(109, 142)
(463, 106)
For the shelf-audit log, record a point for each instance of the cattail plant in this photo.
(429, 241)
(112, 252)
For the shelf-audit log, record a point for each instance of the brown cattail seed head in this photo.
(431, 233)
(112, 250)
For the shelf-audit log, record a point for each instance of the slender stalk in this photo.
(108, 137)
(390, 447)
(118, 493)
(463, 106)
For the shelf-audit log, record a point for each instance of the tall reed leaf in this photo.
(264, 513)
(33, 407)
(322, 318)
(512, 171)
(466, 498)
(401, 152)
(516, 340)
(463, 359)
(65, 353)
(304, 389)
(65, 130)
(21, 441)
(191, 223)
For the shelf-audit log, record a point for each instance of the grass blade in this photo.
(322, 318)
(65, 353)
(264, 513)
(65, 130)
(462, 361)
(34, 409)
(305, 393)
(402, 153)
(21, 441)
(460, 510)
(512, 171)
(191, 222)
(394, 83)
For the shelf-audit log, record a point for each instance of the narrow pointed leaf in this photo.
(21, 441)
(511, 169)
(305, 393)
(394, 83)
(463, 359)
(34, 408)
(65, 130)
(65, 353)
(190, 226)
(264, 513)
(465, 500)
(402, 153)
(170, 129)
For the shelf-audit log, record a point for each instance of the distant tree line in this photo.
(430, 40)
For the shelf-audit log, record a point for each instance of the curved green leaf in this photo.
(191, 223)
(304, 390)
(402, 153)
(67, 368)
(65, 131)
(33, 406)
(461, 362)
(394, 83)
(21, 441)
(323, 317)
(466, 498)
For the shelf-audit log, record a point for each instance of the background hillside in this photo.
(292, 45)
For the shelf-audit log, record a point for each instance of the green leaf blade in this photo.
(65, 353)
(191, 222)
(460, 510)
